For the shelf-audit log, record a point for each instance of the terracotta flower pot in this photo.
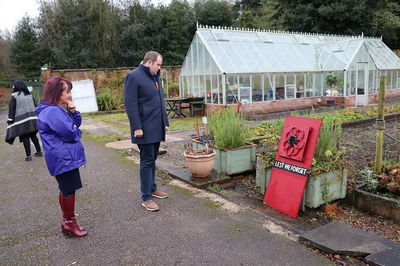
(200, 163)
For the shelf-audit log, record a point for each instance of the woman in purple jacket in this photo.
(58, 124)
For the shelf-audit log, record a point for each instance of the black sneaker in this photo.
(38, 154)
(28, 158)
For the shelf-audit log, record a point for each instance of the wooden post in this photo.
(380, 126)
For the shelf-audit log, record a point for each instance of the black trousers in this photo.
(25, 139)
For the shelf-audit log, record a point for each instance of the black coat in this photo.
(145, 106)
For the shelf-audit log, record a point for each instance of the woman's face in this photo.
(65, 95)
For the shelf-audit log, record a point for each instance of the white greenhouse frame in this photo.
(226, 65)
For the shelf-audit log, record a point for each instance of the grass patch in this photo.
(4, 107)
(183, 191)
(211, 204)
(121, 122)
(105, 138)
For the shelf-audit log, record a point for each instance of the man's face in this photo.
(156, 66)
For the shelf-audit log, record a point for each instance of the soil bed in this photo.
(360, 143)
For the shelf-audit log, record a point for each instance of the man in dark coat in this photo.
(145, 107)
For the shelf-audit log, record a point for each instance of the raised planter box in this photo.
(233, 161)
(376, 204)
(325, 188)
(320, 189)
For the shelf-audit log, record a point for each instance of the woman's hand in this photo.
(71, 107)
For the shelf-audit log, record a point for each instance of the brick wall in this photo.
(101, 77)
(282, 105)
(5, 95)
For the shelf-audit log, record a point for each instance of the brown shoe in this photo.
(159, 194)
(150, 205)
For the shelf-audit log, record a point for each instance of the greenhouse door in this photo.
(362, 84)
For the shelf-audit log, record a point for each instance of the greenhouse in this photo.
(226, 65)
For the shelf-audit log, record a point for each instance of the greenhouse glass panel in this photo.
(224, 57)
(300, 91)
(258, 90)
(219, 35)
(250, 61)
(268, 54)
(233, 37)
(268, 85)
(309, 89)
(259, 55)
(207, 35)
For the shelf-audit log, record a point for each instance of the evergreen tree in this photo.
(214, 12)
(25, 56)
(386, 22)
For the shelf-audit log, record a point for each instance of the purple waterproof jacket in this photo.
(61, 138)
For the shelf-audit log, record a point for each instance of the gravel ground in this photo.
(360, 143)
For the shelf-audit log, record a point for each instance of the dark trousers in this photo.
(27, 144)
(148, 157)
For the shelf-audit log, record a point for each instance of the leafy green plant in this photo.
(228, 128)
(106, 101)
(370, 180)
(328, 156)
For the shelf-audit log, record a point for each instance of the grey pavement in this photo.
(193, 226)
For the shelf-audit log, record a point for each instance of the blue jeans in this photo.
(148, 157)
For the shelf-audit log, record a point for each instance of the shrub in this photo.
(228, 128)
(173, 89)
(106, 101)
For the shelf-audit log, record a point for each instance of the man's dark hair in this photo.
(151, 55)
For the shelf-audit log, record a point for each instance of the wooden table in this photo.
(174, 105)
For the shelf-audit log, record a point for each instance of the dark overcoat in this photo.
(144, 105)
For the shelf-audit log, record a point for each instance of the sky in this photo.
(11, 11)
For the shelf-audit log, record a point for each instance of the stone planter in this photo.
(320, 189)
(233, 161)
(376, 204)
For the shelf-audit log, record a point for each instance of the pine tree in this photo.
(25, 56)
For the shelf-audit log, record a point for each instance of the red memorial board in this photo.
(292, 164)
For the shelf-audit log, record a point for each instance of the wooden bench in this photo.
(196, 106)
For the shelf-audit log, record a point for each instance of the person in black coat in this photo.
(22, 120)
(145, 107)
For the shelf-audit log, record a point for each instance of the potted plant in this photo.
(234, 154)
(200, 161)
(331, 80)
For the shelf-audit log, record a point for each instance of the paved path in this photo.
(193, 227)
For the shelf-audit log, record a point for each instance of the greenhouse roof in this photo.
(260, 51)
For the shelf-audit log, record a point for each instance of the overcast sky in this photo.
(11, 11)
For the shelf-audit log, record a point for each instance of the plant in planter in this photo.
(234, 155)
(331, 80)
(200, 161)
(328, 176)
(266, 152)
(379, 194)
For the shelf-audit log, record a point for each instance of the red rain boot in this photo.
(63, 220)
(69, 225)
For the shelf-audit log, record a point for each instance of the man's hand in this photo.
(166, 129)
(138, 133)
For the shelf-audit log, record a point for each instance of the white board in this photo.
(84, 96)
